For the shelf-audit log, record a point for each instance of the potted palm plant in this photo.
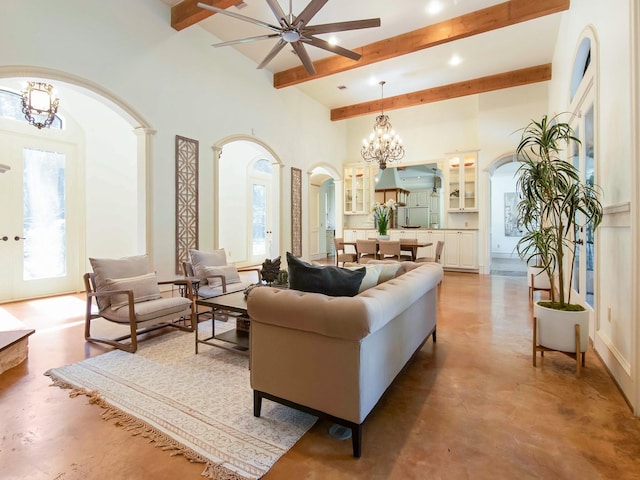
(553, 206)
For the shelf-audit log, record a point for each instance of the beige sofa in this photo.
(334, 357)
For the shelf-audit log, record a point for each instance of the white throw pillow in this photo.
(145, 287)
(372, 273)
(230, 273)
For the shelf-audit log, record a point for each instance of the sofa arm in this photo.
(338, 317)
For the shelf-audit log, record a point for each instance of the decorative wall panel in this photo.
(296, 211)
(186, 198)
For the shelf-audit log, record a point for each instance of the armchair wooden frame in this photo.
(189, 274)
(135, 329)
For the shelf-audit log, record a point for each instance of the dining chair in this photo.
(341, 254)
(366, 250)
(408, 254)
(389, 249)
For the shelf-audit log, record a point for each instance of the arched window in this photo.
(11, 107)
(584, 157)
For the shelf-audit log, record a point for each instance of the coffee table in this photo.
(235, 305)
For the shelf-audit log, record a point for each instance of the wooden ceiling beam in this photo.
(515, 78)
(474, 23)
(187, 12)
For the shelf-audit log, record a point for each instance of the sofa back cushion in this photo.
(200, 260)
(329, 280)
(371, 277)
(116, 268)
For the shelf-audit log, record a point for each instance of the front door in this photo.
(39, 221)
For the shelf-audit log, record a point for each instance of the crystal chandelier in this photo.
(39, 104)
(383, 145)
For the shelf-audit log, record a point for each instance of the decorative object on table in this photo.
(270, 270)
(186, 199)
(555, 207)
(294, 30)
(455, 193)
(39, 104)
(382, 214)
(198, 406)
(283, 278)
(296, 211)
(384, 144)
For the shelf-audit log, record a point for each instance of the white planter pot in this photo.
(540, 280)
(557, 331)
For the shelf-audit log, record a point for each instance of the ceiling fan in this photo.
(295, 30)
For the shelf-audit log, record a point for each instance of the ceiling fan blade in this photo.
(245, 40)
(342, 26)
(318, 42)
(304, 57)
(278, 12)
(239, 17)
(309, 12)
(274, 51)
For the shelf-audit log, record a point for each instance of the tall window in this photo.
(44, 219)
(260, 180)
(583, 157)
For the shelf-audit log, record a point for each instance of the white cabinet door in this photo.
(451, 249)
(460, 250)
(463, 183)
(467, 257)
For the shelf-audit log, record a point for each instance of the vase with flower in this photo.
(382, 214)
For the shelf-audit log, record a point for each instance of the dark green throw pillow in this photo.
(326, 279)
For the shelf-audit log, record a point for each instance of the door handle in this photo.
(4, 239)
(17, 238)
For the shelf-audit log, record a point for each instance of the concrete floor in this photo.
(470, 407)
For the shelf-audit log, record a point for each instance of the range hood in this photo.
(389, 179)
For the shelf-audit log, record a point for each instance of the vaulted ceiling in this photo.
(425, 50)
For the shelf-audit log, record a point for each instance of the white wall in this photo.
(179, 84)
(614, 340)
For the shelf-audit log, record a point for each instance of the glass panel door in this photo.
(40, 256)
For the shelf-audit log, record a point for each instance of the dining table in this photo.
(411, 246)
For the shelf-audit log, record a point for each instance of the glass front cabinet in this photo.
(357, 189)
(463, 183)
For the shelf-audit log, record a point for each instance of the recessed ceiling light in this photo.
(373, 81)
(434, 7)
(333, 40)
(455, 60)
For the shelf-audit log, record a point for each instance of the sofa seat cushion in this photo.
(325, 279)
(150, 310)
(208, 291)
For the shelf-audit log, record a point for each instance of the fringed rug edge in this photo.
(136, 427)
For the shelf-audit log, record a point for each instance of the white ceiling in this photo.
(523, 45)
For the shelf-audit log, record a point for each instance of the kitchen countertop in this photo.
(415, 229)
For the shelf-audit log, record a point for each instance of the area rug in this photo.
(200, 406)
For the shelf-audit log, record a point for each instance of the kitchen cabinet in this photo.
(460, 249)
(357, 188)
(463, 183)
(418, 198)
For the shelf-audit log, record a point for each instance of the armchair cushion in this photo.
(201, 260)
(126, 267)
(230, 273)
(145, 287)
(329, 280)
(162, 309)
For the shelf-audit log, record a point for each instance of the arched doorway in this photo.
(247, 206)
(90, 165)
(503, 231)
(324, 212)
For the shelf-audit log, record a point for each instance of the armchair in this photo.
(216, 277)
(127, 293)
